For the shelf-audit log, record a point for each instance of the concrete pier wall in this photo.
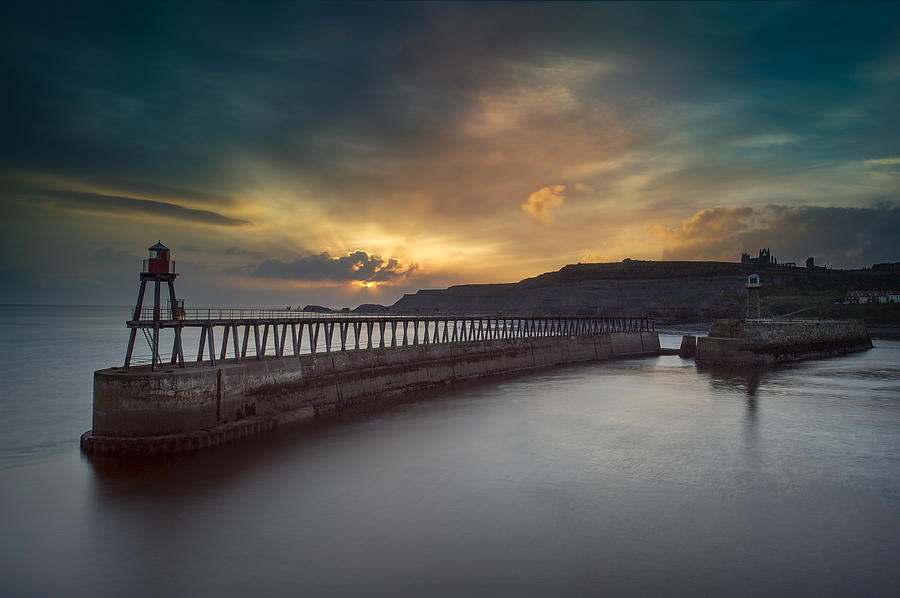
(139, 403)
(739, 343)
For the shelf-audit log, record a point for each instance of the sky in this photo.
(347, 153)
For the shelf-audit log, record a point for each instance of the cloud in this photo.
(355, 266)
(507, 111)
(243, 252)
(841, 237)
(393, 142)
(164, 192)
(767, 140)
(76, 201)
(710, 234)
(883, 162)
(717, 220)
(541, 201)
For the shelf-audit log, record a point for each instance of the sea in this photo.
(638, 477)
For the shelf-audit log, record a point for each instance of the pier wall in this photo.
(738, 343)
(201, 398)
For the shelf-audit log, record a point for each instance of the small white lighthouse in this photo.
(753, 285)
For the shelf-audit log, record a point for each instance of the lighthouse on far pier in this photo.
(753, 285)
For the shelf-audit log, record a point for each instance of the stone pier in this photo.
(141, 411)
(763, 342)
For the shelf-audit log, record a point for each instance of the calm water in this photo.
(639, 477)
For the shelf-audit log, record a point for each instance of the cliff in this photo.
(673, 292)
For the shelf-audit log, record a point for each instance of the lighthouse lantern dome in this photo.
(159, 251)
(159, 261)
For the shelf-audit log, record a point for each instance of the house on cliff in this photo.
(872, 297)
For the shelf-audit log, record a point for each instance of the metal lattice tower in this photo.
(158, 268)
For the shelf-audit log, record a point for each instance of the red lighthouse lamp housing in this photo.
(159, 262)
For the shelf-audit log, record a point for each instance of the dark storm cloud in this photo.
(386, 125)
(165, 192)
(838, 236)
(171, 91)
(111, 204)
(175, 91)
(243, 252)
(357, 265)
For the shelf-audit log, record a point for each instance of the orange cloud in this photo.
(543, 200)
(711, 233)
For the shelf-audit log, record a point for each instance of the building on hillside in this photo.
(765, 259)
(872, 297)
(811, 264)
(886, 267)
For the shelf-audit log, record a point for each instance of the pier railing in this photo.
(223, 333)
(239, 313)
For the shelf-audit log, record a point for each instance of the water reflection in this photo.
(746, 380)
(215, 468)
(714, 481)
(728, 381)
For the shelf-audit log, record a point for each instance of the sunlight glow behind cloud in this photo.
(275, 163)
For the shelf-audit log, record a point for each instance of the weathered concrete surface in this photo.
(134, 407)
(740, 343)
(688, 346)
(176, 443)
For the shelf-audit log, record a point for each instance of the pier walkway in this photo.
(246, 377)
(312, 332)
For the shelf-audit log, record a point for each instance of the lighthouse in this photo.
(753, 286)
(158, 268)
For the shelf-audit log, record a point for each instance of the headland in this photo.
(671, 292)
